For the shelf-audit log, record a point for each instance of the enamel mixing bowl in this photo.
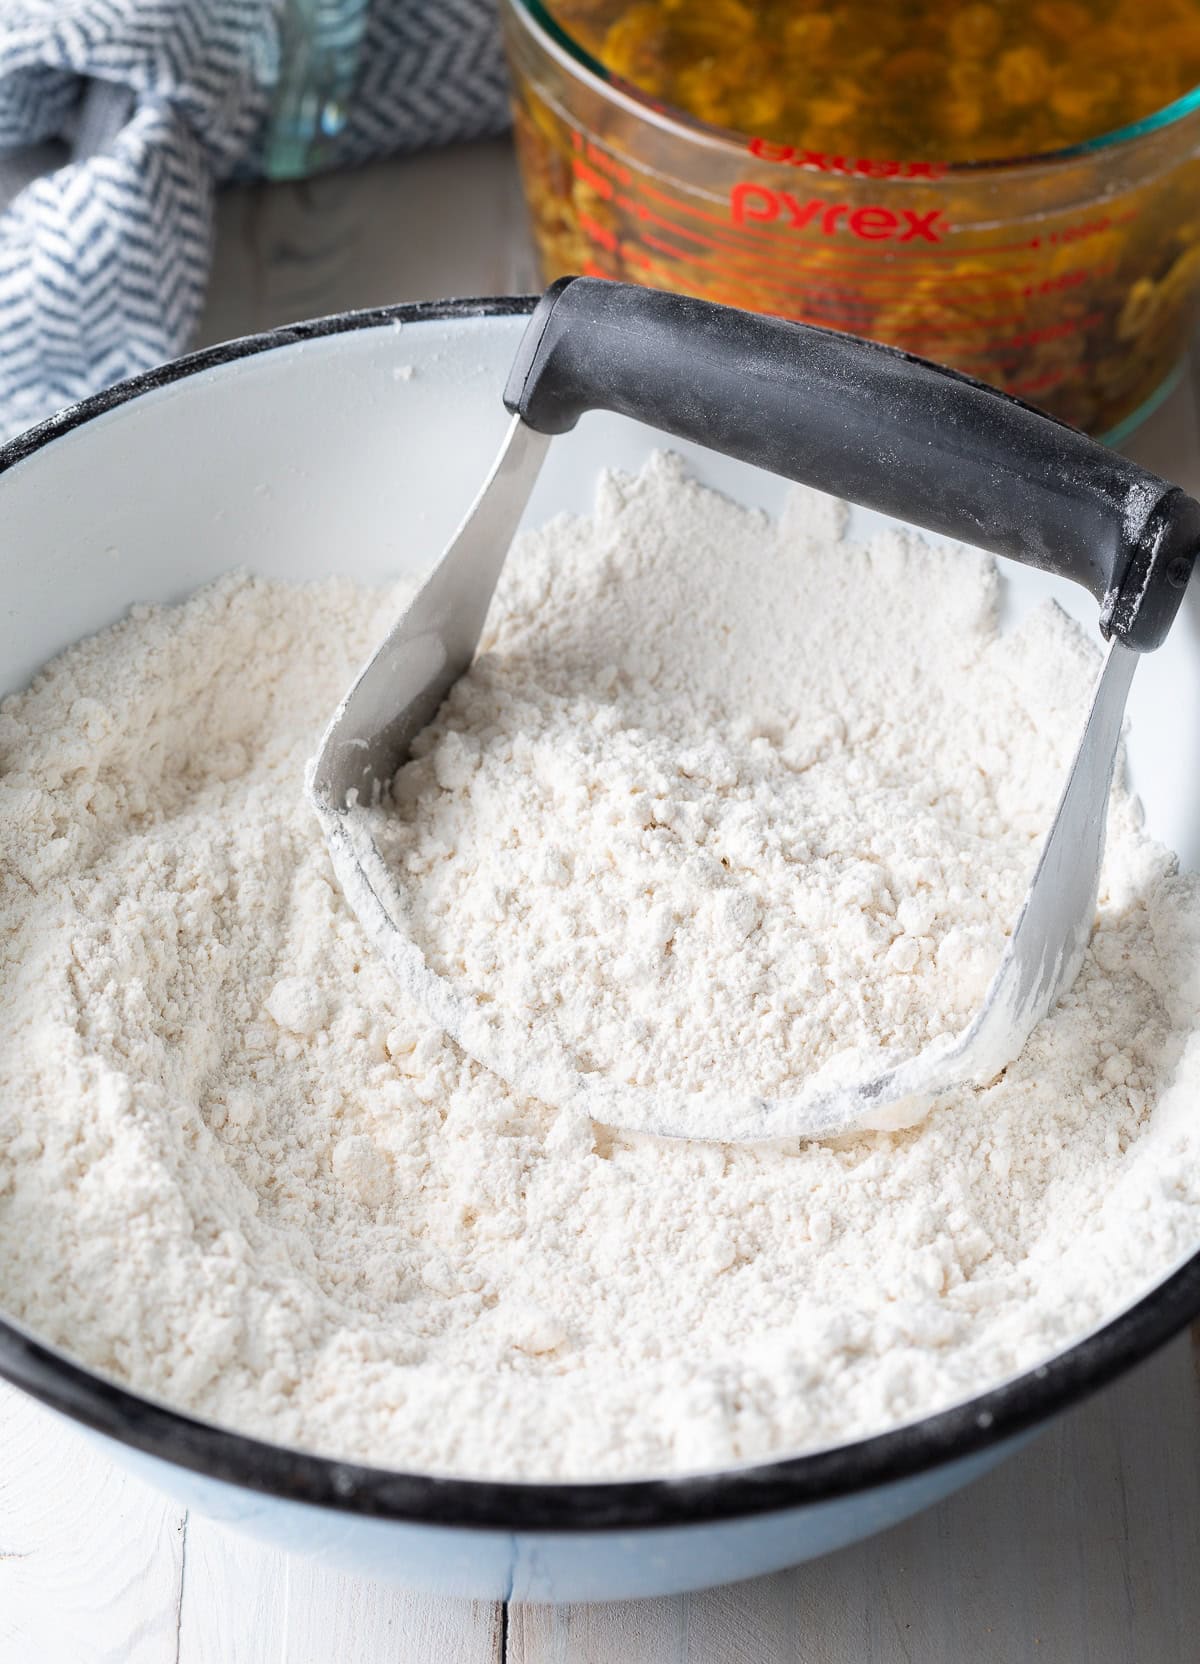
(352, 445)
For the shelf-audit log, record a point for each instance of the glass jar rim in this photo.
(540, 19)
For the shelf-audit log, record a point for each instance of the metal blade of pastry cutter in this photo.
(433, 643)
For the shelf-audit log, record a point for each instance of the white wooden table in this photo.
(1083, 1550)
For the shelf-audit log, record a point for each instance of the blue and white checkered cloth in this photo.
(118, 119)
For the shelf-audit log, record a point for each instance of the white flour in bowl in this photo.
(718, 832)
(726, 822)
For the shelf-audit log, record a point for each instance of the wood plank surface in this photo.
(246, 1604)
(90, 1560)
(450, 223)
(1084, 1549)
(97, 1568)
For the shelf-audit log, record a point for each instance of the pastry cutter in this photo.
(867, 423)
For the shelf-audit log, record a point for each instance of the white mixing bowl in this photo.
(352, 445)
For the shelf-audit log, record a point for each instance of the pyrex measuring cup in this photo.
(1071, 279)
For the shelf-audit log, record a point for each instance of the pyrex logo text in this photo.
(749, 204)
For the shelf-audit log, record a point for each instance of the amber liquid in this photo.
(926, 78)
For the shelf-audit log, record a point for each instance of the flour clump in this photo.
(721, 800)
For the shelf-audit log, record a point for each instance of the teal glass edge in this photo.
(318, 52)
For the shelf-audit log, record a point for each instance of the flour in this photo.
(238, 1172)
(726, 822)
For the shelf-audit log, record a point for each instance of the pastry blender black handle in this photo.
(871, 424)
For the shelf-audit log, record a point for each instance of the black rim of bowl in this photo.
(971, 1429)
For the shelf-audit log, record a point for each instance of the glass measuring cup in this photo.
(1071, 279)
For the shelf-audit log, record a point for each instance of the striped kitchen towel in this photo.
(118, 119)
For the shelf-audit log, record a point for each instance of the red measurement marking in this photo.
(961, 252)
(878, 278)
(598, 233)
(1078, 233)
(834, 311)
(602, 237)
(720, 220)
(686, 255)
(792, 295)
(912, 270)
(799, 287)
(1053, 332)
(761, 281)
(764, 255)
(1067, 280)
(605, 163)
(591, 178)
(647, 214)
(1039, 384)
(864, 167)
(908, 278)
(986, 327)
